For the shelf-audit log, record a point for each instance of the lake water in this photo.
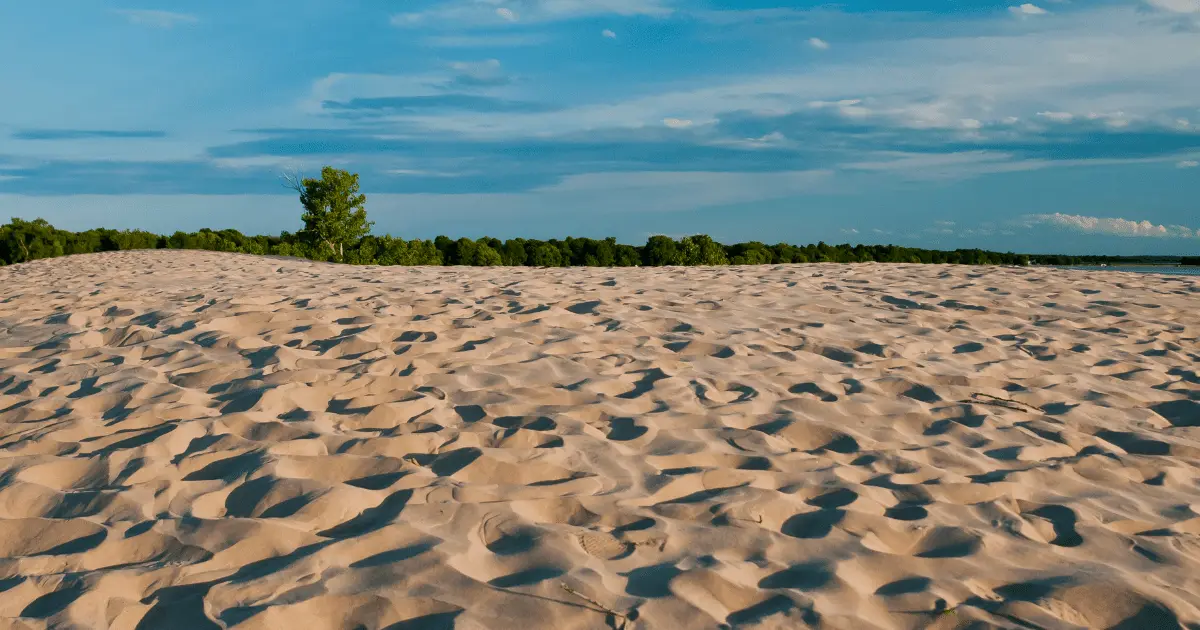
(1174, 270)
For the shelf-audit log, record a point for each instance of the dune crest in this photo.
(206, 440)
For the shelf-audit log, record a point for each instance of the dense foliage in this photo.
(334, 216)
(22, 240)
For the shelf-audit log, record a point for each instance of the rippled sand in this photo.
(202, 440)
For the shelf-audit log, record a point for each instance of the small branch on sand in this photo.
(988, 399)
(598, 605)
(757, 519)
(661, 543)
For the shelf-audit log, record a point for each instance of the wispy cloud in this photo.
(1057, 116)
(157, 19)
(1176, 6)
(470, 13)
(898, 98)
(1112, 226)
(1072, 70)
(1028, 9)
(668, 191)
(443, 102)
(84, 134)
(478, 74)
(932, 166)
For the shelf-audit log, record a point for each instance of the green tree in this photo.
(334, 216)
(485, 256)
(661, 251)
(546, 255)
(463, 252)
(22, 241)
(627, 256)
(514, 252)
(701, 250)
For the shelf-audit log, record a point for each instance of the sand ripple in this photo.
(207, 440)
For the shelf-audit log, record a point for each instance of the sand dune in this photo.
(206, 440)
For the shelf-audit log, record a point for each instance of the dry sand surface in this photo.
(201, 440)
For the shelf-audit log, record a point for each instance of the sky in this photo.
(1056, 126)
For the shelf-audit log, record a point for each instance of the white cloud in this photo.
(897, 161)
(1115, 120)
(1176, 6)
(941, 166)
(850, 107)
(677, 123)
(818, 43)
(341, 86)
(672, 191)
(1187, 164)
(1028, 9)
(416, 172)
(936, 166)
(609, 34)
(480, 73)
(774, 139)
(1057, 116)
(460, 13)
(993, 72)
(476, 67)
(157, 19)
(1112, 226)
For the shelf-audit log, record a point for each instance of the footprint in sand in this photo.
(505, 535)
(603, 545)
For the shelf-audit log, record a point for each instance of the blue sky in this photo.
(1052, 126)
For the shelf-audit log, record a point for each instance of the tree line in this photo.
(22, 241)
(336, 230)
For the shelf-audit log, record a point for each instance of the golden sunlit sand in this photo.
(203, 440)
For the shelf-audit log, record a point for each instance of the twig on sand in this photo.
(988, 399)
(601, 607)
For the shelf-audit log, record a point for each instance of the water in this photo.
(1174, 270)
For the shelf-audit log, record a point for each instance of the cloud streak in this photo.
(1109, 226)
(475, 13)
(84, 134)
(157, 19)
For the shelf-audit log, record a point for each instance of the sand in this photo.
(207, 440)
